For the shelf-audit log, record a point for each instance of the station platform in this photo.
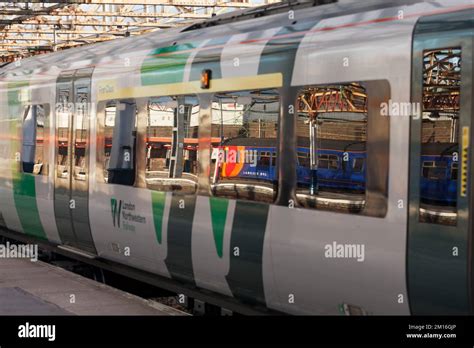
(38, 288)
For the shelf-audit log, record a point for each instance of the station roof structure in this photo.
(36, 27)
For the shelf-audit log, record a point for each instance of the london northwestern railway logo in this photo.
(116, 207)
(124, 215)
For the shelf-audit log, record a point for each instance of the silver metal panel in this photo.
(189, 61)
(44, 199)
(294, 260)
(210, 270)
(7, 203)
(299, 236)
(241, 55)
(44, 92)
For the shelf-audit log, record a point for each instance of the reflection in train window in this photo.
(63, 116)
(81, 130)
(172, 143)
(332, 131)
(454, 171)
(108, 132)
(119, 143)
(303, 159)
(439, 136)
(434, 170)
(265, 158)
(33, 144)
(243, 135)
(357, 165)
(328, 162)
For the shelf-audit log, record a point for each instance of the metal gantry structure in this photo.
(442, 81)
(343, 98)
(35, 27)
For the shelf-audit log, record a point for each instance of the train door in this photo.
(71, 186)
(441, 166)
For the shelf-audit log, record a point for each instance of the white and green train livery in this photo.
(216, 155)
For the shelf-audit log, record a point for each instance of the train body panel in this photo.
(43, 92)
(387, 236)
(8, 209)
(278, 255)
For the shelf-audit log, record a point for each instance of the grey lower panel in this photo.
(80, 216)
(62, 214)
(180, 226)
(245, 276)
(73, 224)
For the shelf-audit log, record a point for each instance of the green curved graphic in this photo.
(158, 204)
(218, 217)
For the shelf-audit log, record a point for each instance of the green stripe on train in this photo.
(218, 216)
(158, 203)
(24, 188)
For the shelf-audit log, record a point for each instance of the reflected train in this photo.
(439, 177)
(340, 165)
(344, 169)
(157, 207)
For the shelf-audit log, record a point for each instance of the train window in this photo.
(81, 131)
(440, 136)
(244, 140)
(119, 142)
(357, 165)
(454, 171)
(332, 126)
(303, 159)
(434, 170)
(328, 162)
(33, 144)
(108, 132)
(172, 143)
(265, 158)
(63, 117)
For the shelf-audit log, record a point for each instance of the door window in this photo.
(33, 141)
(440, 136)
(119, 145)
(64, 110)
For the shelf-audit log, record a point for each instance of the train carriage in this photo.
(290, 159)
